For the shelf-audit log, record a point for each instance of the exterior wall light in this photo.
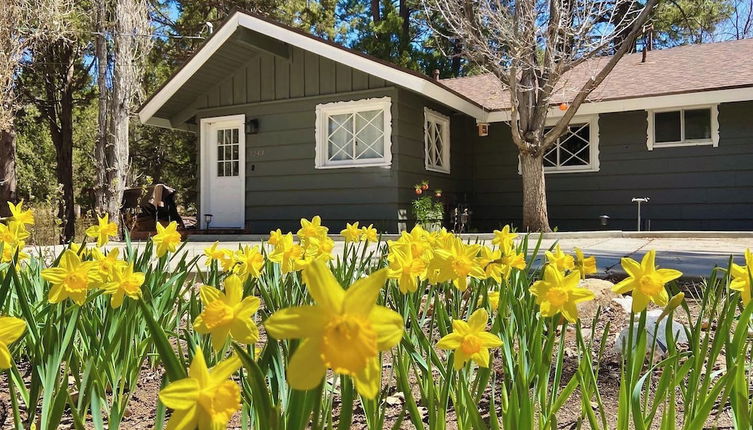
(252, 126)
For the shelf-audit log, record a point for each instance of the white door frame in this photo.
(204, 182)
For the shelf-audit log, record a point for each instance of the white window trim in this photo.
(444, 120)
(593, 146)
(323, 111)
(714, 141)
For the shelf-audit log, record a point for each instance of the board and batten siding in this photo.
(266, 77)
(690, 188)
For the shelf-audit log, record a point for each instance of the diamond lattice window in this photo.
(353, 134)
(437, 141)
(574, 150)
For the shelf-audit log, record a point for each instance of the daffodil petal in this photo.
(323, 286)
(369, 379)
(297, 322)
(388, 325)
(11, 329)
(209, 294)
(489, 340)
(631, 267)
(225, 369)
(640, 302)
(5, 359)
(181, 394)
(306, 368)
(478, 319)
(244, 330)
(198, 368)
(451, 341)
(184, 420)
(481, 357)
(233, 289)
(361, 296)
(668, 274)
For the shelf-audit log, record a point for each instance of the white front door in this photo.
(223, 172)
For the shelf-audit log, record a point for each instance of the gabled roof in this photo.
(694, 74)
(197, 68)
(683, 70)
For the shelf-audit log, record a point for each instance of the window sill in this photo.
(438, 170)
(681, 144)
(583, 170)
(350, 166)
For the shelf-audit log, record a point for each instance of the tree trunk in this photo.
(64, 156)
(7, 170)
(101, 187)
(535, 217)
(404, 26)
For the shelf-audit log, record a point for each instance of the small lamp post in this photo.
(640, 200)
(604, 219)
(207, 220)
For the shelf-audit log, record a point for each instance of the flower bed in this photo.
(436, 331)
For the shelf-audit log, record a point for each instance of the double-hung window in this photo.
(436, 141)
(683, 127)
(354, 134)
(576, 150)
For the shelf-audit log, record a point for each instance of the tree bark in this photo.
(101, 187)
(7, 170)
(535, 216)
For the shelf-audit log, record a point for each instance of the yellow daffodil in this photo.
(72, 278)
(343, 330)
(125, 282)
(351, 232)
(470, 340)
(493, 297)
(318, 248)
(274, 237)
(227, 260)
(560, 260)
(457, 263)
(504, 238)
(312, 229)
(108, 264)
(167, 239)
(287, 254)
(13, 233)
(10, 330)
(9, 252)
(213, 254)
(557, 293)
(645, 281)
(408, 270)
(19, 215)
(741, 277)
(369, 234)
(207, 399)
(227, 313)
(492, 263)
(584, 265)
(418, 240)
(251, 262)
(103, 231)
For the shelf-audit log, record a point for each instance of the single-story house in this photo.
(290, 126)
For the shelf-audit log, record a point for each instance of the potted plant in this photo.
(429, 212)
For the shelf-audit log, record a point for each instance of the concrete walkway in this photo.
(693, 253)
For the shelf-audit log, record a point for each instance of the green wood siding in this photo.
(282, 184)
(691, 188)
